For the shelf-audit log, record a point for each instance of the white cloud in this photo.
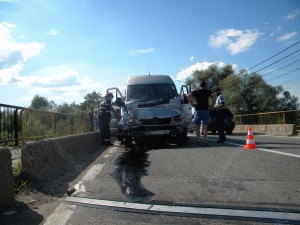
(287, 36)
(293, 15)
(187, 72)
(192, 58)
(53, 32)
(236, 41)
(12, 52)
(141, 51)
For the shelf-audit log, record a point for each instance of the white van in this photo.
(152, 110)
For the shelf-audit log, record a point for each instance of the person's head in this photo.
(109, 96)
(202, 84)
(92, 108)
(217, 89)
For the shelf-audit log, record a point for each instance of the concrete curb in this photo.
(273, 129)
(6, 179)
(43, 158)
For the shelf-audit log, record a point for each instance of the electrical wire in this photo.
(274, 55)
(277, 61)
(267, 74)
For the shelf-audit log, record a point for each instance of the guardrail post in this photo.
(16, 127)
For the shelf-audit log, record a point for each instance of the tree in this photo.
(288, 102)
(213, 75)
(39, 102)
(91, 99)
(245, 93)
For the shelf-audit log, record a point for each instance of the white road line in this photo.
(247, 213)
(93, 172)
(112, 150)
(106, 156)
(61, 215)
(262, 149)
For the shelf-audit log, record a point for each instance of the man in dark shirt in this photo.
(201, 115)
(105, 118)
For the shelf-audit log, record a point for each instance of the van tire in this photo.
(181, 138)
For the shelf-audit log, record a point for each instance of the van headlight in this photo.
(132, 121)
(176, 120)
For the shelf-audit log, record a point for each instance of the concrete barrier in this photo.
(42, 159)
(6, 179)
(272, 129)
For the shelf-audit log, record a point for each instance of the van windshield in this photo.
(150, 92)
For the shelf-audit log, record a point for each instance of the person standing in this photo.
(105, 118)
(221, 114)
(91, 119)
(201, 115)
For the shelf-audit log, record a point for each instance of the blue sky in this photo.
(63, 49)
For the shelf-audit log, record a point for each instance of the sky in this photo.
(65, 49)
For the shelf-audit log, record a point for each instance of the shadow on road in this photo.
(21, 214)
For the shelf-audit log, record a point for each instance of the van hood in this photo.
(140, 110)
(153, 112)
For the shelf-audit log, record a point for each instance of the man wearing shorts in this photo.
(201, 115)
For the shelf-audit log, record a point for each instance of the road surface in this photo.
(218, 184)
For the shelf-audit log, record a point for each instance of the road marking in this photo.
(112, 150)
(61, 215)
(262, 149)
(190, 210)
(93, 172)
(90, 175)
(106, 156)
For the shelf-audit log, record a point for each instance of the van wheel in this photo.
(128, 142)
(181, 138)
(229, 132)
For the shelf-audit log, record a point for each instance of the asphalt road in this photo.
(218, 184)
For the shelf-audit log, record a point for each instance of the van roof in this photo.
(149, 79)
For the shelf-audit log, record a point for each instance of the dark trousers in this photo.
(104, 128)
(221, 115)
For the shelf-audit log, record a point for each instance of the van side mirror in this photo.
(119, 102)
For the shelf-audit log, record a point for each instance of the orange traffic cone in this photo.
(250, 144)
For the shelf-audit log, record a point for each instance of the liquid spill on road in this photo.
(131, 167)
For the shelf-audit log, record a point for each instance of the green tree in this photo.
(245, 93)
(91, 99)
(288, 102)
(40, 102)
(213, 75)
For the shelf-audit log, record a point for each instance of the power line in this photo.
(291, 80)
(267, 74)
(284, 74)
(274, 55)
(277, 61)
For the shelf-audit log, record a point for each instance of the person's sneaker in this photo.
(204, 144)
(221, 141)
(199, 143)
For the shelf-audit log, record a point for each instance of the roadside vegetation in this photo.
(246, 93)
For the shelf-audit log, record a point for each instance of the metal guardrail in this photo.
(281, 117)
(20, 124)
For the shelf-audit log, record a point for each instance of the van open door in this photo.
(186, 108)
(117, 102)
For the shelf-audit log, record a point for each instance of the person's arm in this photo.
(190, 99)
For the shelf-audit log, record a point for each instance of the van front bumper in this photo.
(154, 131)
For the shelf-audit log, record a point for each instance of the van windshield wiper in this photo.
(154, 102)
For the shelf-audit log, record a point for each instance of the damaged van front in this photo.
(152, 110)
